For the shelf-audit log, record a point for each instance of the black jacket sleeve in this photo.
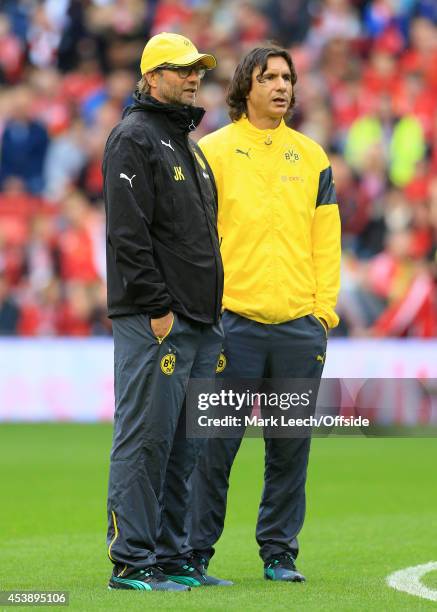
(130, 201)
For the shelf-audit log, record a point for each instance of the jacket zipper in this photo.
(216, 256)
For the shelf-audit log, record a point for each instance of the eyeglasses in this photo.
(185, 71)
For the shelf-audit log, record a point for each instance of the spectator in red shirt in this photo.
(75, 247)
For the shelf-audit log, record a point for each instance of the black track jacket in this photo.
(161, 206)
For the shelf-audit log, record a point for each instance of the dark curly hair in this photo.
(242, 80)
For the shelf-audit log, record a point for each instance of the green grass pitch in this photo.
(372, 509)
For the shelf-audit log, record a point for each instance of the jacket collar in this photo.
(182, 118)
(257, 136)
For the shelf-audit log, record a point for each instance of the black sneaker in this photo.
(282, 567)
(147, 579)
(185, 574)
(201, 564)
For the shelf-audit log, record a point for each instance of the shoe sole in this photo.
(285, 579)
(147, 588)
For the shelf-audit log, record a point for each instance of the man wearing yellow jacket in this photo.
(279, 229)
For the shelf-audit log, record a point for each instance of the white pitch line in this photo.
(408, 580)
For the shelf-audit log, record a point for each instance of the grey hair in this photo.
(143, 86)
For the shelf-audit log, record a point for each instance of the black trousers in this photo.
(149, 491)
(295, 349)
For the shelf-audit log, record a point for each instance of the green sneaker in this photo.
(147, 579)
(281, 567)
(201, 564)
(185, 574)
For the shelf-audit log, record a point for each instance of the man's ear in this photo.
(152, 78)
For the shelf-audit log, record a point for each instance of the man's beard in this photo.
(173, 98)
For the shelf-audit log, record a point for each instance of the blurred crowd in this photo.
(366, 91)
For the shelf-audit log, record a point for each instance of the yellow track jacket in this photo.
(278, 223)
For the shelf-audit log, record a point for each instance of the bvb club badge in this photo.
(221, 363)
(168, 363)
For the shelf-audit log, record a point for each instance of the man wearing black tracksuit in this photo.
(165, 282)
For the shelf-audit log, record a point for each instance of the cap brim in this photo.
(193, 58)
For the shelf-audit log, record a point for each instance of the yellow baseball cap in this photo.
(167, 48)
